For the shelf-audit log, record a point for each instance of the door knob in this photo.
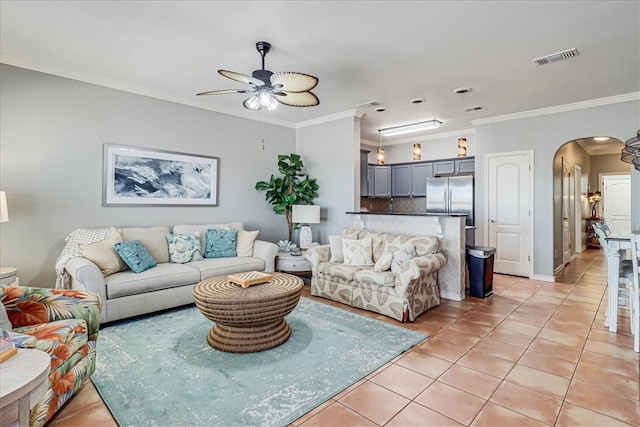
(492, 220)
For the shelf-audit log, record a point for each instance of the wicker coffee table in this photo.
(249, 319)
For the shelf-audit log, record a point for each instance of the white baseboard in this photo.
(451, 295)
(543, 278)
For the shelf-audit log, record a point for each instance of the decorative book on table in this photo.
(249, 278)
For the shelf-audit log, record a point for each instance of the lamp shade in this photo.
(4, 210)
(306, 214)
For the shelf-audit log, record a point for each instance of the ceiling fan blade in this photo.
(298, 99)
(224, 91)
(294, 82)
(243, 78)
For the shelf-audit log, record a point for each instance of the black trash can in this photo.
(480, 270)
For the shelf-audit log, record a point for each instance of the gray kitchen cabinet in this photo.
(419, 174)
(370, 180)
(465, 166)
(364, 185)
(401, 180)
(382, 181)
(444, 168)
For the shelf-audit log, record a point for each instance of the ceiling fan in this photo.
(271, 89)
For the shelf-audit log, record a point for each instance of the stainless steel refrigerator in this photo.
(452, 195)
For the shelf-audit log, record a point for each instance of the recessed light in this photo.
(601, 138)
(462, 90)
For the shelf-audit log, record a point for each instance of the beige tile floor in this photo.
(534, 354)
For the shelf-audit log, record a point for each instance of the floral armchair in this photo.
(65, 324)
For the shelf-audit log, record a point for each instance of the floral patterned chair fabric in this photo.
(65, 324)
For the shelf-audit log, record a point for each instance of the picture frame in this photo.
(134, 176)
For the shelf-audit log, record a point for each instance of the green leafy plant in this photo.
(292, 188)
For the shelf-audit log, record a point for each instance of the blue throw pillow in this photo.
(221, 243)
(135, 255)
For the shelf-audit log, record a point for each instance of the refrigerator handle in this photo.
(449, 200)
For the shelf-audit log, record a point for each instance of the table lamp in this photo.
(305, 215)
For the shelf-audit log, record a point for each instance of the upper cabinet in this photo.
(407, 179)
(410, 180)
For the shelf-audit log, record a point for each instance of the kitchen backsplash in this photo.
(400, 204)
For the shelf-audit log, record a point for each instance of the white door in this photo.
(508, 194)
(616, 200)
(566, 213)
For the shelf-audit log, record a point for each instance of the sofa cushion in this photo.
(153, 238)
(163, 276)
(221, 243)
(135, 255)
(211, 267)
(184, 247)
(357, 252)
(202, 229)
(426, 245)
(336, 270)
(245, 242)
(385, 278)
(377, 243)
(103, 254)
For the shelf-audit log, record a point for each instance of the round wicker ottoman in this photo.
(249, 319)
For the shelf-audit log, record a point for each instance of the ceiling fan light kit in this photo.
(271, 89)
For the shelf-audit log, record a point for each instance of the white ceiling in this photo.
(385, 51)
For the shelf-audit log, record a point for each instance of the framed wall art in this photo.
(136, 176)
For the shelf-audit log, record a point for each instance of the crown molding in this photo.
(139, 90)
(329, 118)
(634, 96)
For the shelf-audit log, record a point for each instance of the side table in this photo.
(25, 378)
(8, 276)
(297, 265)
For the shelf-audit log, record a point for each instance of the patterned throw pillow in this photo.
(221, 243)
(135, 255)
(184, 247)
(335, 243)
(404, 253)
(357, 252)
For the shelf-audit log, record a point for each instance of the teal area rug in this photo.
(159, 370)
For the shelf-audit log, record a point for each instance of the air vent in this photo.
(474, 108)
(555, 57)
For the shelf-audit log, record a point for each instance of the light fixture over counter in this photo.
(413, 127)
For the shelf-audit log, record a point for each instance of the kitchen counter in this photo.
(405, 213)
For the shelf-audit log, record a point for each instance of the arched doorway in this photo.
(577, 170)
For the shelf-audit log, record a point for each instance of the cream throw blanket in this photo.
(71, 250)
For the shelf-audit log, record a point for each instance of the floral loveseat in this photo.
(391, 274)
(90, 263)
(65, 325)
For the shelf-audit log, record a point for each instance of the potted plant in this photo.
(292, 188)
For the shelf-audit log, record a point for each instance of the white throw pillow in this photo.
(335, 244)
(5, 323)
(384, 262)
(404, 253)
(245, 242)
(104, 255)
(357, 252)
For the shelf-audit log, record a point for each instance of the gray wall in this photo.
(605, 163)
(331, 153)
(52, 135)
(432, 149)
(545, 134)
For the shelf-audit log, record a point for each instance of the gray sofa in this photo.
(126, 294)
(402, 287)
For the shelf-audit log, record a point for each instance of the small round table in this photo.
(249, 319)
(24, 379)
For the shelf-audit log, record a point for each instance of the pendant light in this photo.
(417, 151)
(380, 151)
(462, 147)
